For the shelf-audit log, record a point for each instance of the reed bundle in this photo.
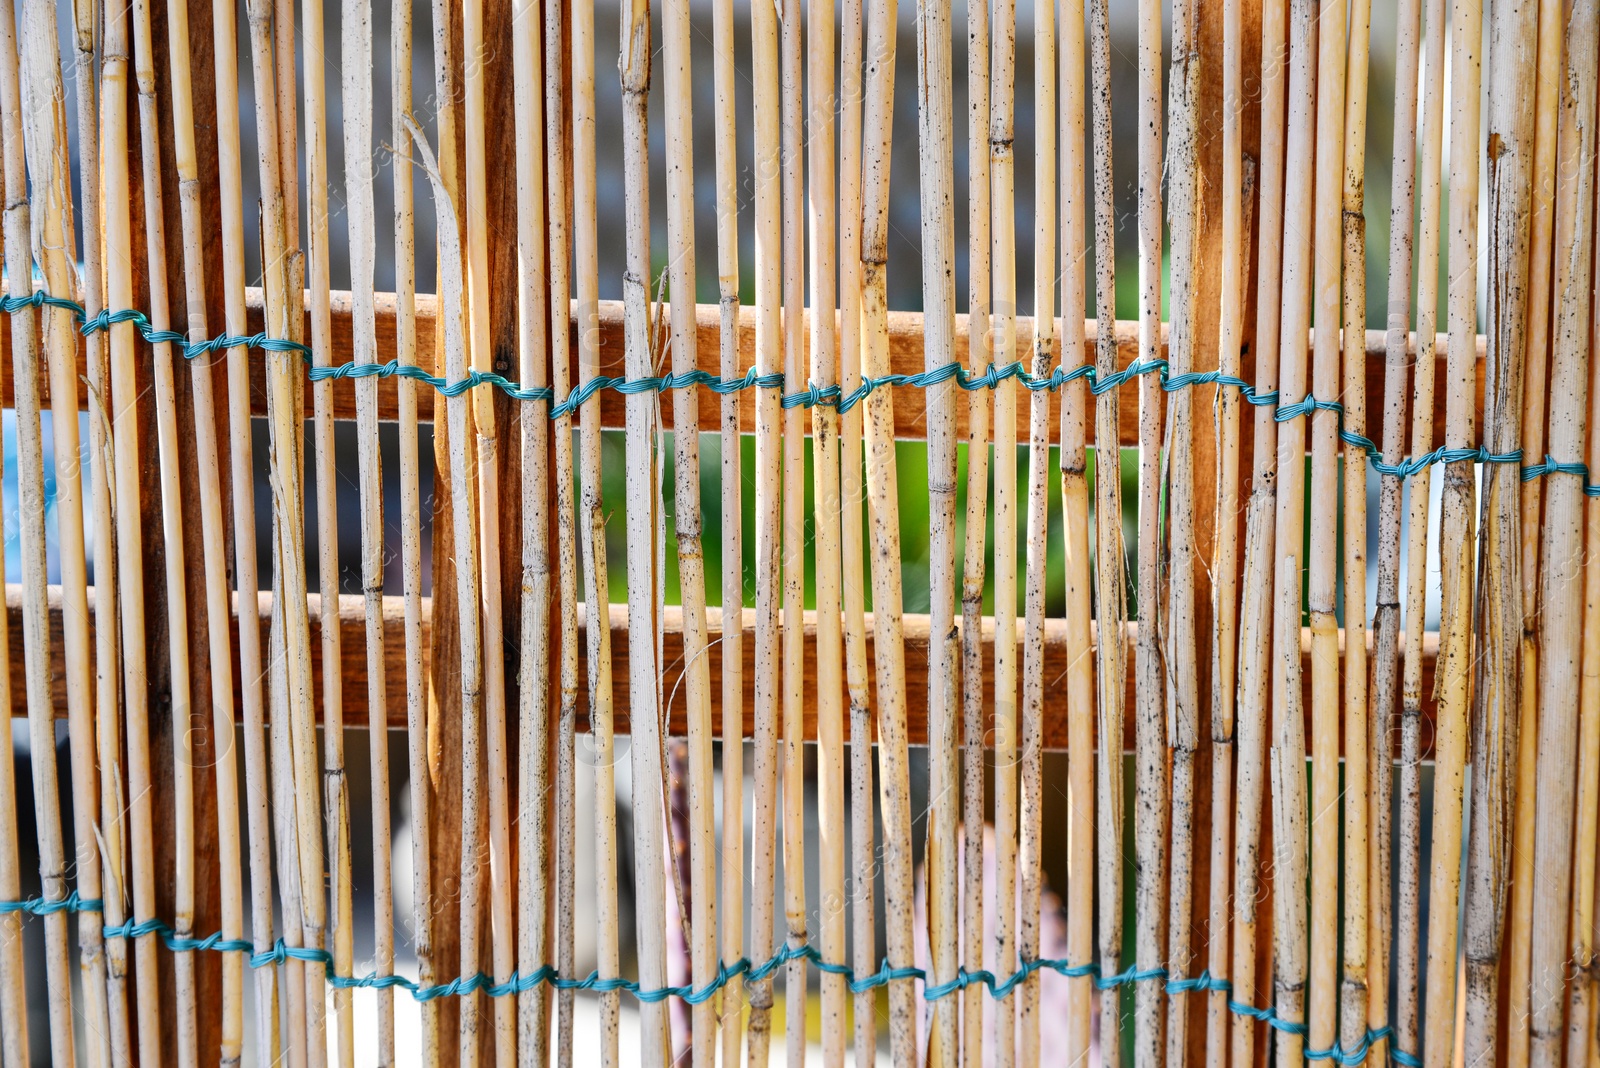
(885, 579)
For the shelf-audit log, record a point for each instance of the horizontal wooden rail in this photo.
(354, 671)
(905, 357)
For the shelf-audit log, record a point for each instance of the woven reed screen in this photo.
(428, 657)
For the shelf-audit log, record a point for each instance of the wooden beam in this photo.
(353, 671)
(905, 357)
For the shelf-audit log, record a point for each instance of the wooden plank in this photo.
(905, 357)
(353, 667)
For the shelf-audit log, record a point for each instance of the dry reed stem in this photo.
(1031, 846)
(296, 1052)
(535, 286)
(979, 354)
(884, 513)
(1580, 993)
(1541, 213)
(1150, 790)
(1407, 971)
(1360, 754)
(1290, 812)
(1561, 549)
(769, 544)
(48, 154)
(1181, 650)
(1513, 44)
(1075, 524)
(1455, 543)
(1110, 593)
(1003, 243)
(1256, 606)
(26, 364)
(134, 778)
(14, 1051)
(1386, 616)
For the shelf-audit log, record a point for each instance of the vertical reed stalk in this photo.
(884, 511)
(1150, 831)
(135, 778)
(1407, 971)
(241, 468)
(297, 1051)
(1110, 591)
(13, 978)
(1288, 785)
(979, 355)
(1360, 760)
(1535, 374)
(26, 365)
(1560, 552)
(769, 297)
(1033, 681)
(591, 524)
(1513, 44)
(533, 668)
(1075, 524)
(1386, 616)
(725, 76)
(1003, 246)
(1181, 650)
(649, 857)
(1225, 552)
(1256, 605)
(827, 518)
(48, 156)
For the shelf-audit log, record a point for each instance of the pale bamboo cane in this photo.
(1150, 810)
(1287, 761)
(115, 186)
(1513, 51)
(1580, 994)
(649, 856)
(1290, 813)
(1407, 970)
(1180, 649)
(241, 472)
(296, 1052)
(1386, 616)
(1588, 1028)
(1322, 557)
(405, 285)
(535, 287)
(558, 137)
(1003, 302)
(1031, 837)
(935, 126)
(791, 110)
(503, 953)
(1360, 759)
(213, 533)
(979, 355)
(852, 493)
(883, 510)
(677, 84)
(731, 629)
(1256, 604)
(1519, 922)
(14, 1051)
(26, 365)
(1075, 525)
(87, 27)
(48, 157)
(356, 53)
(1238, 178)
(341, 933)
(1455, 540)
(1560, 595)
(769, 297)
(186, 1051)
(1111, 591)
(591, 523)
(827, 519)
